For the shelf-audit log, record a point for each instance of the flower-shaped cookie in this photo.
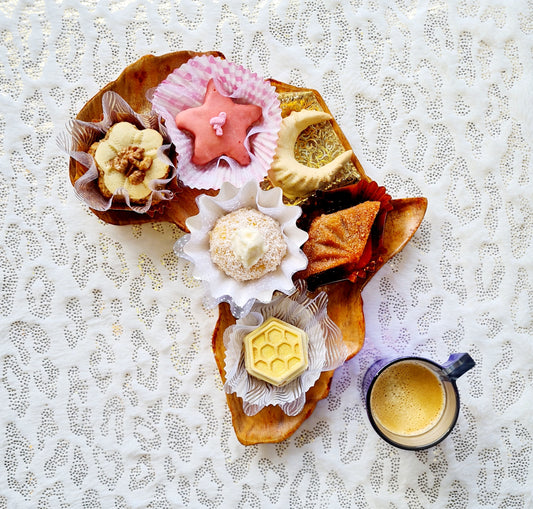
(220, 287)
(326, 351)
(127, 159)
(80, 136)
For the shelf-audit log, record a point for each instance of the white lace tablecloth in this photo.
(109, 393)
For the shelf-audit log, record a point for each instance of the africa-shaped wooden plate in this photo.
(345, 305)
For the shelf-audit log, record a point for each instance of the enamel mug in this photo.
(413, 402)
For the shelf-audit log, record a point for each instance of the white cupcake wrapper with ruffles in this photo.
(326, 351)
(218, 286)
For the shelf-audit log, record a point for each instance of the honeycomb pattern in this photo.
(276, 352)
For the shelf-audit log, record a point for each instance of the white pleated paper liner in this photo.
(326, 351)
(219, 287)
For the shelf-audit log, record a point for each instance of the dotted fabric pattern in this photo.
(109, 393)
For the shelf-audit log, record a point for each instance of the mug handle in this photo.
(458, 364)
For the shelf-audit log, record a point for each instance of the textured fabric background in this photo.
(109, 394)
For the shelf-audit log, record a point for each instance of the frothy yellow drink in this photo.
(407, 398)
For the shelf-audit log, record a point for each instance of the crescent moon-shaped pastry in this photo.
(296, 179)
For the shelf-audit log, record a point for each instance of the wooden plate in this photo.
(345, 308)
(345, 305)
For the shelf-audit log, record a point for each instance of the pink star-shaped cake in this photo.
(219, 127)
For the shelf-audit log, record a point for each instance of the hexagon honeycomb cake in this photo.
(276, 352)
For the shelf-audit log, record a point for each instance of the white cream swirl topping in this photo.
(248, 245)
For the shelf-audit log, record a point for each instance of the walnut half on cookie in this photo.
(127, 158)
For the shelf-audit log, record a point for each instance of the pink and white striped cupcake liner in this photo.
(185, 88)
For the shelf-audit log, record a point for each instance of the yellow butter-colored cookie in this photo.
(296, 179)
(276, 352)
(127, 158)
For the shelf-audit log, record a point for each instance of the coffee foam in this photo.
(407, 398)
